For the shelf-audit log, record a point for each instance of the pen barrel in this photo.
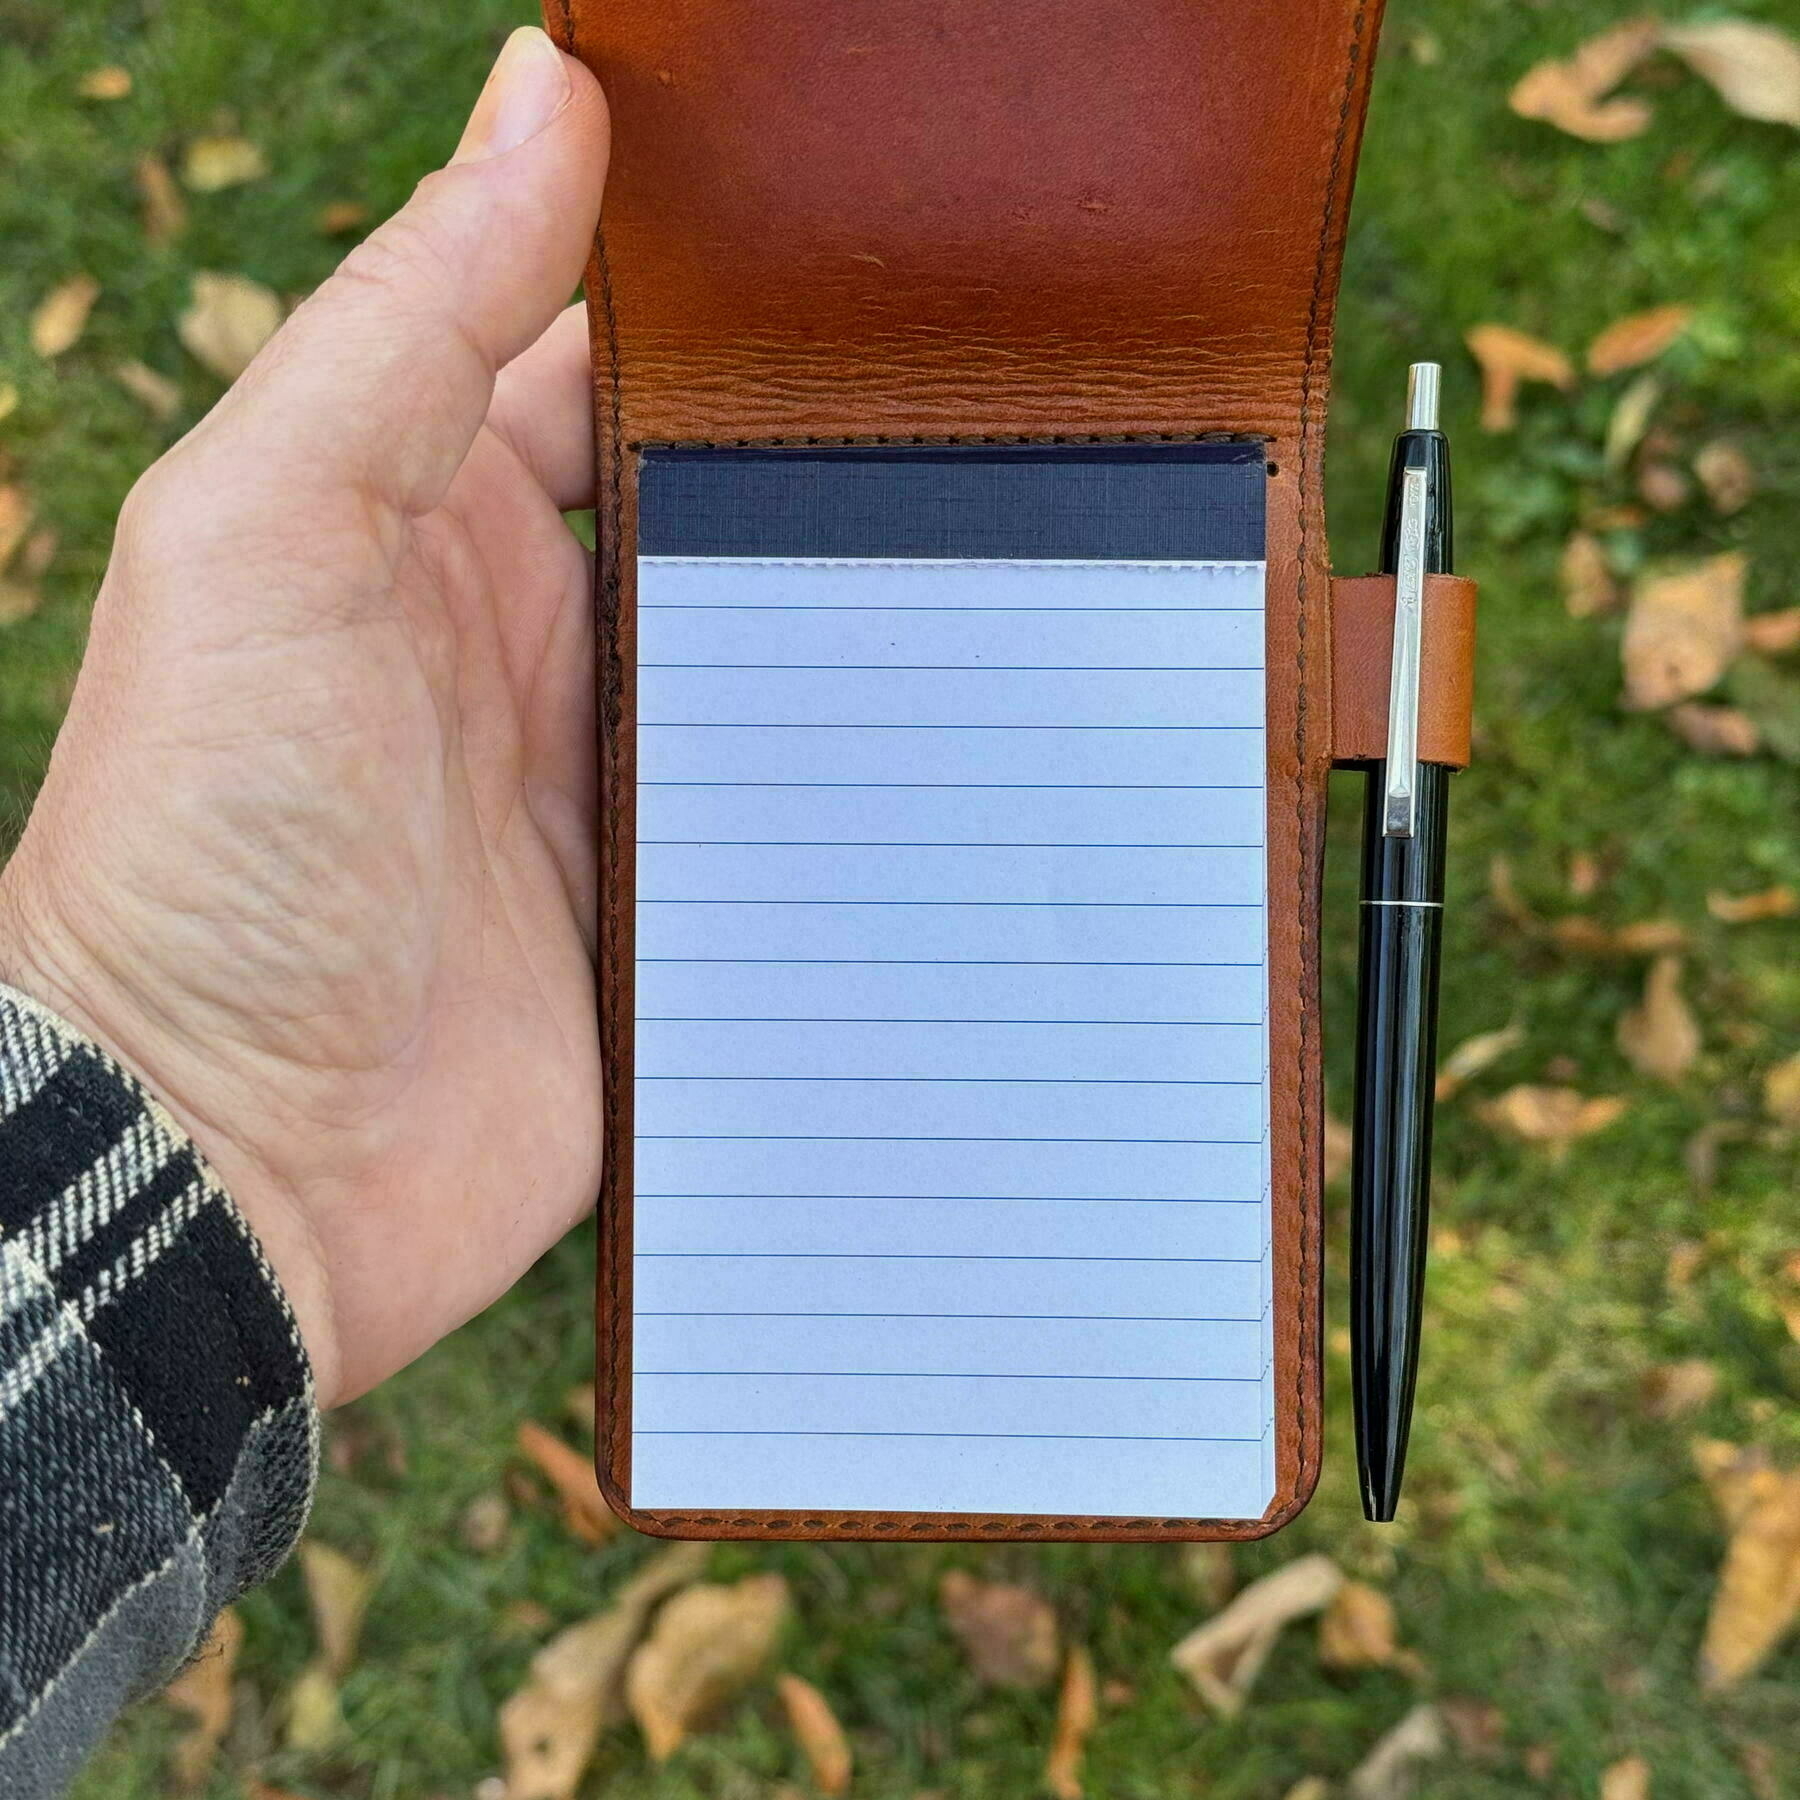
(1396, 1074)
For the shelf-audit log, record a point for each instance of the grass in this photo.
(1556, 1554)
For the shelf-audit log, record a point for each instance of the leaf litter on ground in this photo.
(1684, 630)
(1659, 1036)
(1008, 1632)
(571, 1473)
(212, 164)
(1572, 93)
(203, 1691)
(1588, 585)
(1077, 1713)
(1223, 1657)
(228, 319)
(1392, 1770)
(1636, 339)
(1358, 1630)
(62, 316)
(1755, 68)
(1757, 1600)
(1508, 358)
(1475, 1054)
(816, 1730)
(1551, 1116)
(338, 1592)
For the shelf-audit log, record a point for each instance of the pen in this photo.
(1405, 818)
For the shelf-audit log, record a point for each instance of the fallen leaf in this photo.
(1077, 1713)
(38, 553)
(1224, 1656)
(1308, 1787)
(1642, 937)
(16, 511)
(1755, 68)
(213, 163)
(1391, 1770)
(1357, 1630)
(820, 1736)
(1781, 1092)
(1339, 1146)
(1630, 419)
(1587, 873)
(157, 394)
(1749, 909)
(1700, 1154)
(1674, 1390)
(341, 216)
(1475, 1054)
(1715, 730)
(1683, 630)
(338, 1592)
(1552, 1116)
(62, 315)
(1478, 1726)
(231, 318)
(1659, 1037)
(575, 1690)
(165, 211)
(1008, 1633)
(486, 1523)
(315, 1716)
(1627, 1779)
(706, 1646)
(1571, 94)
(1588, 586)
(571, 1473)
(1761, 1770)
(1726, 475)
(203, 1691)
(108, 83)
(1757, 1599)
(1773, 633)
(18, 601)
(1631, 342)
(1507, 358)
(1540, 1761)
(1664, 488)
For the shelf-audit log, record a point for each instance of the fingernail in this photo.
(528, 85)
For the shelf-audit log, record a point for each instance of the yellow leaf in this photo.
(1748, 909)
(108, 83)
(231, 318)
(1009, 1633)
(1587, 582)
(62, 315)
(1390, 1770)
(1506, 358)
(1630, 419)
(1755, 68)
(1757, 1599)
(575, 1690)
(1683, 630)
(1659, 1037)
(1627, 1779)
(1224, 1656)
(1552, 1116)
(1475, 1054)
(1077, 1713)
(1781, 1092)
(203, 1691)
(338, 1592)
(1572, 94)
(212, 163)
(571, 1473)
(1774, 633)
(1726, 474)
(1715, 730)
(706, 1646)
(315, 1716)
(1357, 1630)
(165, 211)
(1631, 342)
(819, 1735)
(157, 394)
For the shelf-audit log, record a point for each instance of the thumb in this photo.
(381, 380)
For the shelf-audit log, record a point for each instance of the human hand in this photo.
(315, 853)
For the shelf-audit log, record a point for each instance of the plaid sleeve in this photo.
(158, 1437)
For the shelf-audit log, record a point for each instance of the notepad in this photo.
(952, 1183)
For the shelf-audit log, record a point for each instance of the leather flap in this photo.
(1362, 651)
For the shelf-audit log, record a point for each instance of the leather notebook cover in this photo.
(863, 271)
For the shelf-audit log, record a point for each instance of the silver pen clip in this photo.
(1400, 815)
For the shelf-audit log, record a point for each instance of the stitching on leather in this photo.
(1062, 437)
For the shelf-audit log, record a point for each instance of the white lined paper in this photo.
(951, 1048)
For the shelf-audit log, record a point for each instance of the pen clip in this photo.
(1400, 812)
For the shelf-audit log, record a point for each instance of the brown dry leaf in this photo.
(1627, 1779)
(1587, 582)
(341, 216)
(1008, 1632)
(1749, 909)
(1757, 1600)
(1339, 1145)
(1774, 633)
(1478, 1726)
(1715, 730)
(1761, 1770)
(18, 601)
(203, 1690)
(157, 394)
(571, 1473)
(1683, 630)
(820, 1736)
(1755, 67)
(1643, 937)
(1507, 358)
(1781, 1092)
(1552, 1116)
(338, 1592)
(108, 83)
(165, 211)
(1357, 1630)
(1572, 94)
(16, 510)
(212, 163)
(230, 319)
(62, 315)
(1726, 474)
(707, 1645)
(1659, 1037)
(1391, 1770)
(549, 1728)
(1224, 1656)
(1631, 342)
(1473, 1055)
(1663, 487)
(1077, 1713)
(1673, 1390)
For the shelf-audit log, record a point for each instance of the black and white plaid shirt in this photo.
(158, 1437)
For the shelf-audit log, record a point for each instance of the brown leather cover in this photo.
(1362, 649)
(967, 219)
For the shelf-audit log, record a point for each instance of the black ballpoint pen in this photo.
(1405, 819)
